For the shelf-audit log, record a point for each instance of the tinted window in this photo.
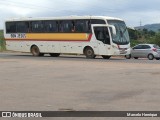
(138, 47)
(79, 26)
(146, 47)
(82, 26)
(22, 27)
(94, 21)
(10, 27)
(37, 26)
(51, 26)
(102, 34)
(66, 26)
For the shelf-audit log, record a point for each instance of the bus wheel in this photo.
(35, 51)
(128, 56)
(54, 54)
(106, 57)
(89, 53)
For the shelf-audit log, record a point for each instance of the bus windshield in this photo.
(122, 36)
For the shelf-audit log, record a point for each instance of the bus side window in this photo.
(82, 26)
(37, 26)
(97, 21)
(66, 26)
(10, 27)
(102, 34)
(22, 27)
(51, 26)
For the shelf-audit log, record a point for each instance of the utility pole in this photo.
(141, 33)
(140, 23)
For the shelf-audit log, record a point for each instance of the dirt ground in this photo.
(83, 85)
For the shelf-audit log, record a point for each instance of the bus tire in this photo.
(89, 53)
(54, 54)
(106, 57)
(35, 51)
(128, 56)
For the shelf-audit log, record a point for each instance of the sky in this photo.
(134, 12)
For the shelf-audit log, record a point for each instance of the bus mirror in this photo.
(113, 30)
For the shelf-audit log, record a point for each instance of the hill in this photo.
(153, 27)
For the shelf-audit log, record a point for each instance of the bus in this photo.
(87, 35)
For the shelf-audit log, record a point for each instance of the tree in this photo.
(152, 33)
(133, 34)
(157, 39)
(145, 31)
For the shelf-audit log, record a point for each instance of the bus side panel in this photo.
(75, 47)
(71, 47)
(93, 44)
(53, 47)
(20, 46)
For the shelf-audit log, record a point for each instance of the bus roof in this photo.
(63, 18)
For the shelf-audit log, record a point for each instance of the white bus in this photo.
(88, 35)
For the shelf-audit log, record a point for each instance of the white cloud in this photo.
(130, 10)
(134, 18)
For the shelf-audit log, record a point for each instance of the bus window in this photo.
(102, 34)
(37, 26)
(10, 27)
(97, 21)
(22, 27)
(82, 26)
(51, 26)
(66, 26)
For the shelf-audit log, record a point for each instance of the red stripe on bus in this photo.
(90, 36)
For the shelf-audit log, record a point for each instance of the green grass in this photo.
(2, 42)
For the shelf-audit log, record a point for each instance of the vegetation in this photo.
(2, 42)
(144, 36)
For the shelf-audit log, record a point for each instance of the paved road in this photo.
(28, 56)
(72, 82)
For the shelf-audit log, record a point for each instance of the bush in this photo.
(2, 45)
(144, 36)
(2, 42)
(157, 39)
(135, 42)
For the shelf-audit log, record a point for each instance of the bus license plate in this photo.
(123, 51)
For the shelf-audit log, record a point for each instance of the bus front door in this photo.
(102, 35)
